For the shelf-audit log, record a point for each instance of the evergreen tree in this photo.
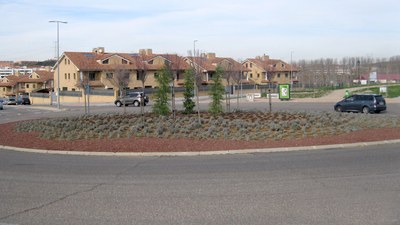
(160, 106)
(188, 94)
(217, 92)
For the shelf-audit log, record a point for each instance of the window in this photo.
(73, 89)
(65, 76)
(251, 65)
(124, 61)
(74, 76)
(251, 75)
(286, 75)
(258, 75)
(126, 75)
(65, 61)
(109, 75)
(92, 76)
(69, 61)
(156, 75)
(279, 75)
(105, 61)
(33, 85)
(65, 89)
(69, 76)
(27, 85)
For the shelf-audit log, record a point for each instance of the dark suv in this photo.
(365, 103)
(132, 98)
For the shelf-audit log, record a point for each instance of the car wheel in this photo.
(118, 104)
(339, 109)
(136, 103)
(365, 110)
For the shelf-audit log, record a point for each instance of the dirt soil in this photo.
(9, 137)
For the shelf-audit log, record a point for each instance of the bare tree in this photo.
(119, 78)
(174, 65)
(142, 72)
(237, 77)
(197, 63)
(83, 84)
(230, 69)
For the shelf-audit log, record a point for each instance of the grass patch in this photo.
(393, 91)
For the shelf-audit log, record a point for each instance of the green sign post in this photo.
(284, 91)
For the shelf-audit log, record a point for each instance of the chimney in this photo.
(148, 51)
(211, 55)
(265, 57)
(98, 50)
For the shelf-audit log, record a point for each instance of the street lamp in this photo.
(195, 69)
(291, 68)
(58, 59)
(358, 71)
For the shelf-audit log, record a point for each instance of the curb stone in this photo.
(203, 153)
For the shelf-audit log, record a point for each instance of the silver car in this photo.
(132, 98)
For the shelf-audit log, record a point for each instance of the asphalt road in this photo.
(351, 186)
(24, 112)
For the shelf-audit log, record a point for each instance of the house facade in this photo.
(263, 70)
(24, 84)
(206, 66)
(99, 69)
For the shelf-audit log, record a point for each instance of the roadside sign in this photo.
(284, 91)
(383, 89)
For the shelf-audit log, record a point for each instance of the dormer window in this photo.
(105, 61)
(124, 61)
(283, 65)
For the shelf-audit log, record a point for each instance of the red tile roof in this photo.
(90, 61)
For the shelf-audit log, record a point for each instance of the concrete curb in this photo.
(203, 153)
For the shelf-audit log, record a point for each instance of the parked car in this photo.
(132, 98)
(1, 105)
(11, 101)
(24, 101)
(365, 103)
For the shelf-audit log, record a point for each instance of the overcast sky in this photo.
(306, 29)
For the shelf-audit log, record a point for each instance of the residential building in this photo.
(99, 69)
(206, 65)
(18, 83)
(264, 70)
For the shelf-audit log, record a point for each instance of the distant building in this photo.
(264, 70)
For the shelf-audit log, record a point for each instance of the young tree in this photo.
(197, 64)
(142, 69)
(188, 94)
(217, 92)
(83, 83)
(160, 106)
(119, 78)
(237, 78)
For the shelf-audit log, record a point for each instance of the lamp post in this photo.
(195, 69)
(291, 68)
(358, 71)
(58, 59)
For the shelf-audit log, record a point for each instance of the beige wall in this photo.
(69, 75)
(40, 101)
(4, 91)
